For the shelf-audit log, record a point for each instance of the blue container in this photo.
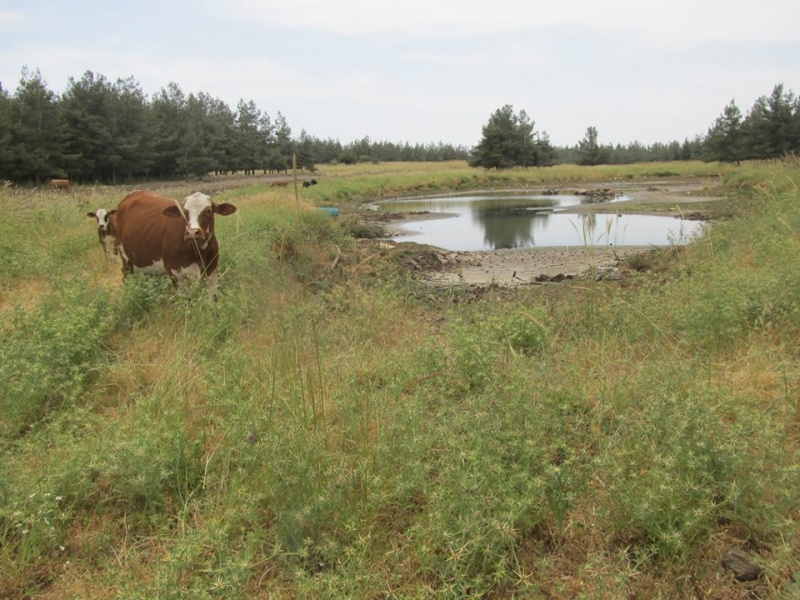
(331, 210)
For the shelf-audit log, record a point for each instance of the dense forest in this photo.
(103, 131)
(99, 130)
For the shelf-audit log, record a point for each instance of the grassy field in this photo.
(331, 428)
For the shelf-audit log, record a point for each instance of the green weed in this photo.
(49, 355)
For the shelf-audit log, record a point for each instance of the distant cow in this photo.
(60, 184)
(309, 183)
(159, 236)
(106, 229)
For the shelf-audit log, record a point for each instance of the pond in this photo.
(482, 221)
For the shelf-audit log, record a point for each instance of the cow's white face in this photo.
(198, 215)
(103, 217)
(195, 206)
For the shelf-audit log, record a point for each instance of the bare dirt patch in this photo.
(524, 266)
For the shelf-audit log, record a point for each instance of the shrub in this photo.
(681, 463)
(47, 355)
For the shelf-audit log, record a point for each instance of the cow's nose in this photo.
(194, 234)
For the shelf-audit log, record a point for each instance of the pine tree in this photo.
(222, 142)
(527, 153)
(725, 140)
(509, 140)
(86, 105)
(168, 111)
(770, 126)
(590, 152)
(250, 152)
(266, 140)
(196, 157)
(131, 131)
(499, 146)
(6, 155)
(284, 146)
(305, 152)
(37, 132)
(782, 105)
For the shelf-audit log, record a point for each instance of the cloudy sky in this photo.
(425, 71)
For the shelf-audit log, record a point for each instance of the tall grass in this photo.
(321, 433)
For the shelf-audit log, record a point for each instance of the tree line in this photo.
(511, 140)
(771, 129)
(103, 131)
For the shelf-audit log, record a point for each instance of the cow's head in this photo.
(198, 215)
(103, 218)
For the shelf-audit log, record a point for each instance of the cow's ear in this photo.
(113, 211)
(172, 211)
(224, 209)
(91, 214)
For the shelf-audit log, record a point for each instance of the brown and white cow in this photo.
(159, 236)
(106, 229)
(60, 184)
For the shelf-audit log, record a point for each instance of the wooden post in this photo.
(294, 172)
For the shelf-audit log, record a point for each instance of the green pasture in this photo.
(333, 428)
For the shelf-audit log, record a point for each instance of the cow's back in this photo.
(144, 234)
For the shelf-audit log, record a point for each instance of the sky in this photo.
(427, 71)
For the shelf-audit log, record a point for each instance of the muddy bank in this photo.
(525, 266)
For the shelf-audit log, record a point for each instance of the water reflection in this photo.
(489, 222)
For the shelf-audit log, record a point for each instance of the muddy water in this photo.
(491, 222)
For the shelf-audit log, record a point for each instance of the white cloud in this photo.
(56, 63)
(668, 21)
(505, 54)
(8, 18)
(422, 71)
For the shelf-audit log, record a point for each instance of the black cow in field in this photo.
(309, 183)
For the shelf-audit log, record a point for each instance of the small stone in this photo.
(738, 562)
